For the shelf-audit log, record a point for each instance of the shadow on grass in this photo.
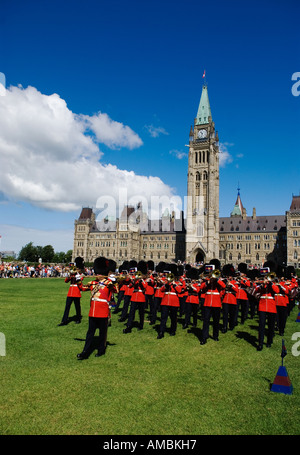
(95, 344)
(251, 339)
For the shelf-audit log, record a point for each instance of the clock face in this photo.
(202, 133)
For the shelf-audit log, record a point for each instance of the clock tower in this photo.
(202, 221)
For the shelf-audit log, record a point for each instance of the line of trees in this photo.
(31, 253)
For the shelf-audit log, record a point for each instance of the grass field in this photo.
(142, 386)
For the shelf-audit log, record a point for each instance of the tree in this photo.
(47, 253)
(28, 253)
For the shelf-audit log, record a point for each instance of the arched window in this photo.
(205, 175)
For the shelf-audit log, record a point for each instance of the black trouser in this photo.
(125, 306)
(153, 309)
(282, 313)
(264, 318)
(120, 298)
(191, 309)
(182, 305)
(94, 324)
(149, 300)
(165, 312)
(69, 302)
(229, 313)
(140, 306)
(215, 312)
(242, 304)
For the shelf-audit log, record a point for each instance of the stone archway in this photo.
(200, 256)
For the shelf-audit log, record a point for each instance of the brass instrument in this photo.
(271, 276)
(215, 274)
(170, 277)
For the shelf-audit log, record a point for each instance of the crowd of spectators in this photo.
(20, 270)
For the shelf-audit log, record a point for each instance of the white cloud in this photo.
(111, 133)
(179, 154)
(224, 156)
(50, 155)
(156, 131)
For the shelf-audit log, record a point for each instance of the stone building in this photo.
(202, 236)
(293, 233)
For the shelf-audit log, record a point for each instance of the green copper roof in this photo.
(204, 108)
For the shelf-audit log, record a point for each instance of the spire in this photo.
(204, 107)
(238, 207)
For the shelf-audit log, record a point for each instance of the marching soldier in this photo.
(191, 303)
(158, 295)
(229, 305)
(242, 297)
(212, 305)
(74, 295)
(281, 301)
(99, 314)
(137, 303)
(267, 310)
(169, 306)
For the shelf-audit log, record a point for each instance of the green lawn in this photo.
(142, 385)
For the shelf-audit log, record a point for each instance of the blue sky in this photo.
(140, 65)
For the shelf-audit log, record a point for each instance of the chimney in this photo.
(254, 213)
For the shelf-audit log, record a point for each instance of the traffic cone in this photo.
(282, 382)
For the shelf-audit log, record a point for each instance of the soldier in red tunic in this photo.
(74, 295)
(101, 291)
(267, 310)
(169, 305)
(229, 305)
(212, 305)
(137, 303)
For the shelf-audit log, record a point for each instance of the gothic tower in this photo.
(202, 223)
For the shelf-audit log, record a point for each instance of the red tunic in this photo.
(230, 293)
(267, 301)
(193, 293)
(75, 287)
(212, 291)
(138, 290)
(170, 297)
(241, 293)
(101, 296)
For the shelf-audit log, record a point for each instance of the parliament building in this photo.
(202, 235)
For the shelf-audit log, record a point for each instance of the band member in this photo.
(242, 297)
(281, 301)
(101, 291)
(137, 303)
(267, 311)
(122, 287)
(169, 306)
(229, 305)
(74, 295)
(212, 305)
(149, 292)
(127, 297)
(158, 295)
(191, 303)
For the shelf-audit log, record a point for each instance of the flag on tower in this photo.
(203, 75)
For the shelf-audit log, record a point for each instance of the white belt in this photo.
(138, 290)
(267, 297)
(99, 300)
(71, 285)
(170, 293)
(214, 293)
